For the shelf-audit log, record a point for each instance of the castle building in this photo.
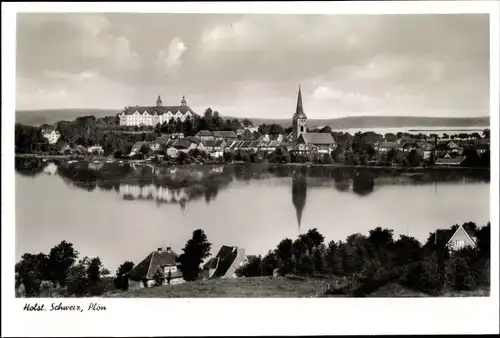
(151, 116)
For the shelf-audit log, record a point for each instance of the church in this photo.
(151, 116)
(304, 142)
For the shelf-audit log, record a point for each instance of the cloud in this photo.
(170, 60)
(251, 64)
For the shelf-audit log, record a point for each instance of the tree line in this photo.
(369, 262)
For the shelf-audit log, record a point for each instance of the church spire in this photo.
(183, 101)
(300, 109)
(158, 101)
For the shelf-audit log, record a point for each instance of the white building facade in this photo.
(151, 116)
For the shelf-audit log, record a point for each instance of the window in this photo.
(301, 129)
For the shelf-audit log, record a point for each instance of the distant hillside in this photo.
(49, 116)
(39, 117)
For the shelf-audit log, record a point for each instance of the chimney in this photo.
(169, 249)
(160, 249)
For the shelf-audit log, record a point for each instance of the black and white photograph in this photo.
(161, 156)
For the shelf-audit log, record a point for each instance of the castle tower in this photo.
(183, 101)
(158, 101)
(299, 121)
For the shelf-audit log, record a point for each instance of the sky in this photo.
(251, 65)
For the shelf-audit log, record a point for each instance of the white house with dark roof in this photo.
(151, 116)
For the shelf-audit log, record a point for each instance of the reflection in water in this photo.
(179, 185)
(144, 204)
(299, 194)
(363, 183)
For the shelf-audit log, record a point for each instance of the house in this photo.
(454, 147)
(205, 135)
(460, 239)
(225, 135)
(208, 145)
(159, 144)
(225, 264)
(95, 150)
(184, 145)
(136, 148)
(450, 161)
(384, 146)
(229, 145)
(51, 135)
(271, 137)
(172, 152)
(151, 116)
(160, 262)
(323, 143)
(424, 149)
(218, 149)
(176, 136)
(454, 239)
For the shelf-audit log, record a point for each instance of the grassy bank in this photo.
(268, 287)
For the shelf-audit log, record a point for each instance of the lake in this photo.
(122, 212)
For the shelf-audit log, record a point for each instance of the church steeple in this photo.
(158, 101)
(183, 101)
(300, 109)
(299, 120)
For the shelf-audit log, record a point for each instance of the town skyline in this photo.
(347, 65)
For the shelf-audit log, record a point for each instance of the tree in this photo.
(486, 133)
(158, 277)
(305, 265)
(144, 149)
(30, 271)
(253, 268)
(60, 259)
(195, 251)
(247, 123)
(312, 239)
(77, 281)
(269, 263)
(414, 159)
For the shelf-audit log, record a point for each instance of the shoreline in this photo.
(333, 165)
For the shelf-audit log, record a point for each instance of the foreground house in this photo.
(455, 240)
(225, 264)
(225, 135)
(205, 135)
(160, 262)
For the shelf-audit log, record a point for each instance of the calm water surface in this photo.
(123, 213)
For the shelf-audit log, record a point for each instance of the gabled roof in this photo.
(461, 230)
(194, 139)
(204, 133)
(318, 138)
(159, 110)
(254, 144)
(225, 259)
(139, 144)
(208, 143)
(146, 268)
(219, 143)
(162, 140)
(224, 133)
(182, 143)
(274, 143)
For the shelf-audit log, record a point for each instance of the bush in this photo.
(306, 265)
(461, 271)
(423, 276)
